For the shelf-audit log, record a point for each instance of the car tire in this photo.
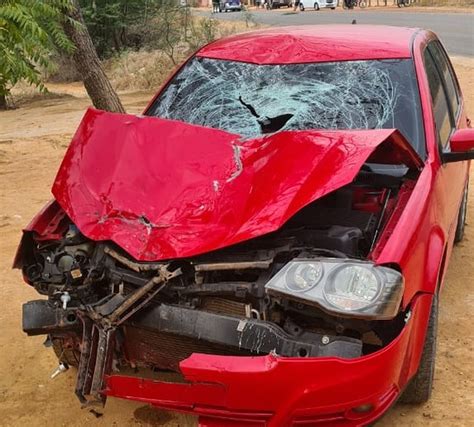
(67, 355)
(462, 217)
(420, 387)
(316, 6)
(301, 7)
(333, 8)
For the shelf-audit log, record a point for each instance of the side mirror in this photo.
(462, 146)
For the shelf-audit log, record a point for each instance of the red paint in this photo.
(275, 182)
(421, 237)
(49, 223)
(313, 43)
(285, 391)
(157, 186)
(462, 140)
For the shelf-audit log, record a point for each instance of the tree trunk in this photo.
(87, 62)
(3, 102)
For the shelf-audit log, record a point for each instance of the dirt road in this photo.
(32, 142)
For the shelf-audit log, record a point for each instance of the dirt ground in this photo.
(33, 139)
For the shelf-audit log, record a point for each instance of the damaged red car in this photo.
(274, 229)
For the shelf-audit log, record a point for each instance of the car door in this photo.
(448, 114)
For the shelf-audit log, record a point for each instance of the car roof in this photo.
(314, 43)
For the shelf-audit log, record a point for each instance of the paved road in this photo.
(456, 30)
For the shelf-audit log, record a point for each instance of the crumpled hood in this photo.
(164, 189)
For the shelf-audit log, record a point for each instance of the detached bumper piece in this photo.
(40, 317)
(274, 391)
(95, 363)
(241, 334)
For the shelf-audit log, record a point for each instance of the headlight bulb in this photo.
(302, 277)
(352, 287)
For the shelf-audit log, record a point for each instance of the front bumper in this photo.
(328, 5)
(276, 391)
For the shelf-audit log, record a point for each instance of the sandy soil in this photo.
(32, 142)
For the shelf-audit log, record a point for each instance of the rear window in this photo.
(251, 100)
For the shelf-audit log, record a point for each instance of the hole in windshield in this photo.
(251, 100)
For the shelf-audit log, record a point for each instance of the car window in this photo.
(438, 97)
(251, 100)
(447, 73)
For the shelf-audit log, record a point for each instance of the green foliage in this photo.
(168, 31)
(119, 25)
(203, 31)
(116, 25)
(29, 31)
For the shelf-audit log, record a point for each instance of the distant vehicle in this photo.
(232, 5)
(276, 4)
(404, 3)
(318, 4)
(351, 4)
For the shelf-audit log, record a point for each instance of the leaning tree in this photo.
(30, 30)
(87, 62)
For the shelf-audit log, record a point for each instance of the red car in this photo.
(274, 230)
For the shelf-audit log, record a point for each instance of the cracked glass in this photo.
(251, 100)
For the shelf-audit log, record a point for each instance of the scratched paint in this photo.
(191, 190)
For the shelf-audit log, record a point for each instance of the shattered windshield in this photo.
(251, 100)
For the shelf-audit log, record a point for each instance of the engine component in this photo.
(296, 292)
(62, 367)
(249, 334)
(65, 298)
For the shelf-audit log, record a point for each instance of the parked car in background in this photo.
(275, 229)
(317, 4)
(230, 6)
(276, 4)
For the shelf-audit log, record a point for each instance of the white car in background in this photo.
(317, 4)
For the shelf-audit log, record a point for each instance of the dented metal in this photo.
(156, 251)
(107, 199)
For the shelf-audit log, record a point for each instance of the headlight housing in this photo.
(344, 287)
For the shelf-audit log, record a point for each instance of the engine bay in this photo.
(156, 314)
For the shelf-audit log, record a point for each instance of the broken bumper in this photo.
(276, 391)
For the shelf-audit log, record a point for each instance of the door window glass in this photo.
(440, 103)
(446, 72)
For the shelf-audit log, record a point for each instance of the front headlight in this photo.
(302, 277)
(341, 286)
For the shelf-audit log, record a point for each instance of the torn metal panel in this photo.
(165, 171)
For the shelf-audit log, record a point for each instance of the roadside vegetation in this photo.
(136, 42)
(29, 31)
(110, 45)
